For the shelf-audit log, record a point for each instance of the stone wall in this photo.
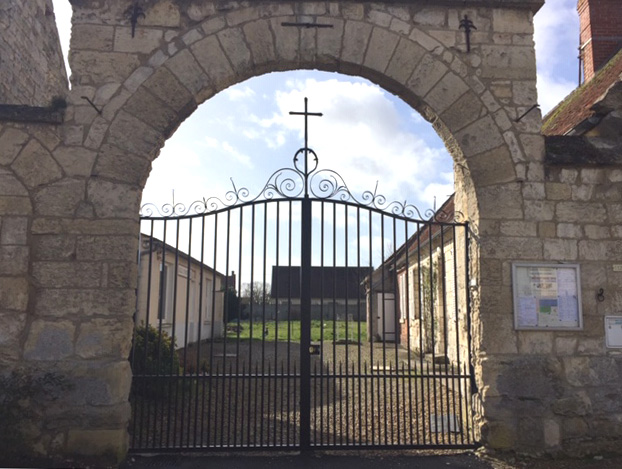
(32, 70)
(70, 195)
(563, 389)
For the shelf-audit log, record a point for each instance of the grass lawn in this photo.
(333, 330)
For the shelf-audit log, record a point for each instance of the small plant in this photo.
(154, 360)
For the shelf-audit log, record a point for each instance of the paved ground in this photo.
(314, 461)
(361, 460)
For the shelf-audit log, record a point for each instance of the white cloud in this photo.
(238, 93)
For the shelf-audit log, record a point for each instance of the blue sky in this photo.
(366, 134)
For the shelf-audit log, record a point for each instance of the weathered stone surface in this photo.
(14, 260)
(493, 167)
(13, 293)
(355, 38)
(11, 142)
(188, 71)
(404, 60)
(214, 61)
(80, 303)
(105, 247)
(53, 247)
(88, 442)
(67, 274)
(102, 67)
(381, 46)
(93, 37)
(49, 340)
(259, 39)
(100, 338)
(14, 230)
(75, 161)
(480, 136)
(60, 199)
(586, 371)
(113, 200)
(35, 166)
(131, 134)
(167, 87)
(117, 165)
(427, 73)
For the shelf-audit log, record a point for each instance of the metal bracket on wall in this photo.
(134, 12)
(468, 26)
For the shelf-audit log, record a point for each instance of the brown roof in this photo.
(577, 107)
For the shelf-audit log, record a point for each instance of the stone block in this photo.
(481, 136)
(353, 11)
(535, 342)
(81, 303)
(466, 110)
(560, 249)
(446, 92)
(113, 200)
(120, 275)
(14, 231)
(105, 247)
(137, 78)
(93, 37)
(67, 274)
(492, 167)
(59, 199)
(91, 67)
(518, 228)
(581, 212)
(99, 338)
(569, 230)
(168, 88)
(512, 21)
(328, 43)
(12, 326)
(14, 260)
(498, 334)
(164, 13)
(49, 340)
(565, 345)
(404, 60)
(188, 71)
(10, 185)
(501, 195)
(401, 27)
(532, 377)
(591, 371)
(379, 18)
(287, 40)
(500, 61)
(499, 435)
(597, 232)
(153, 112)
(145, 40)
(242, 15)
(259, 39)
(53, 247)
(134, 135)
(14, 293)
(558, 191)
(75, 161)
(380, 50)
(116, 165)
(11, 142)
(97, 133)
(89, 442)
(539, 210)
(35, 166)
(578, 404)
(355, 39)
(426, 75)
(214, 61)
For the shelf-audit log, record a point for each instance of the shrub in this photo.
(154, 359)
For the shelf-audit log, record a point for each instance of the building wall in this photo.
(186, 305)
(32, 70)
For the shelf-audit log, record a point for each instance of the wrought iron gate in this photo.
(301, 318)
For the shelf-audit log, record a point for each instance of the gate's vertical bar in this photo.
(305, 326)
(425, 399)
(358, 322)
(473, 383)
(347, 345)
(275, 285)
(373, 319)
(396, 328)
(322, 247)
(239, 429)
(213, 384)
(225, 311)
(185, 354)
(384, 334)
(458, 325)
(445, 326)
(264, 330)
(202, 281)
(334, 287)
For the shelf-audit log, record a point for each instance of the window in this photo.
(165, 303)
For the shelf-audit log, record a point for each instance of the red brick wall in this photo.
(601, 21)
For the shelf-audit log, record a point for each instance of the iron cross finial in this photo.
(306, 113)
(306, 150)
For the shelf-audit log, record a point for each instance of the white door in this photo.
(386, 317)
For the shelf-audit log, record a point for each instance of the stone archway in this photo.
(84, 226)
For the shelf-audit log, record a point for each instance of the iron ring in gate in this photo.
(287, 321)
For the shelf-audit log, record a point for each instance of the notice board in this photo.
(547, 296)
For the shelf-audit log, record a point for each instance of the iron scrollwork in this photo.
(301, 181)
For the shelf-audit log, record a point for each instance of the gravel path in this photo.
(248, 396)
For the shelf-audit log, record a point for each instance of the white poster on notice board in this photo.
(547, 296)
